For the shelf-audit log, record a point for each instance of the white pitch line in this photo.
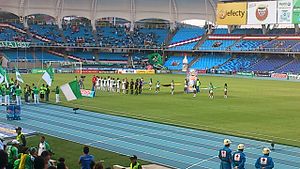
(200, 162)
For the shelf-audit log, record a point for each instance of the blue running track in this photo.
(168, 145)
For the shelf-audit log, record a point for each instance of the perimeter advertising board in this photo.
(284, 11)
(232, 13)
(296, 12)
(263, 12)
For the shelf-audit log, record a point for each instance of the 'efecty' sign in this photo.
(13, 44)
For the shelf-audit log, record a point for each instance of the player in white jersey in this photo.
(118, 85)
(108, 84)
(172, 87)
(157, 87)
(123, 86)
(98, 83)
(104, 84)
(150, 84)
(112, 85)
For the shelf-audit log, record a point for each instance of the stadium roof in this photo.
(132, 10)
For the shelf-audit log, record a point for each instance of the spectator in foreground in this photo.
(39, 163)
(225, 155)
(46, 155)
(134, 164)
(86, 160)
(265, 162)
(98, 165)
(43, 146)
(239, 158)
(3, 159)
(13, 153)
(61, 164)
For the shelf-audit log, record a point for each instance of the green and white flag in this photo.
(71, 90)
(18, 76)
(2, 75)
(6, 78)
(48, 76)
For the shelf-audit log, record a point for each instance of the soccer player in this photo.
(141, 83)
(104, 84)
(18, 95)
(57, 94)
(123, 86)
(185, 86)
(157, 87)
(118, 85)
(36, 95)
(131, 86)
(265, 161)
(239, 158)
(150, 84)
(225, 155)
(136, 86)
(126, 85)
(211, 91)
(194, 90)
(225, 91)
(172, 87)
(98, 83)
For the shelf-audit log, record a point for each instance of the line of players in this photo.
(111, 84)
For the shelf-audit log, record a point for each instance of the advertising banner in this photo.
(279, 75)
(263, 12)
(296, 12)
(149, 72)
(38, 71)
(284, 11)
(87, 93)
(244, 73)
(232, 13)
(13, 44)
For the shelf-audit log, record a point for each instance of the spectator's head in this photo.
(241, 147)
(227, 142)
(42, 139)
(46, 155)
(133, 159)
(39, 163)
(3, 159)
(18, 130)
(33, 151)
(98, 165)
(86, 150)
(266, 151)
(52, 167)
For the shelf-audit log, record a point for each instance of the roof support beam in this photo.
(58, 12)
(173, 13)
(132, 14)
(93, 13)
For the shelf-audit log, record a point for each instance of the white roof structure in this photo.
(131, 10)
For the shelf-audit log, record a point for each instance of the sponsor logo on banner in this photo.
(284, 12)
(145, 71)
(296, 12)
(87, 93)
(232, 13)
(264, 12)
(279, 75)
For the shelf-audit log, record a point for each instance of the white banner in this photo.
(284, 12)
(263, 12)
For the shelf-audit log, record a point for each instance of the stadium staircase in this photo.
(94, 33)
(170, 36)
(63, 56)
(236, 42)
(185, 42)
(62, 35)
(200, 42)
(229, 60)
(286, 64)
(194, 60)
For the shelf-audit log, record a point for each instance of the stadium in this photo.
(188, 84)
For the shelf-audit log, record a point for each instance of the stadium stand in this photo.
(280, 45)
(187, 33)
(78, 34)
(47, 31)
(19, 56)
(188, 46)
(175, 62)
(248, 45)
(292, 67)
(210, 61)
(271, 63)
(217, 44)
(240, 63)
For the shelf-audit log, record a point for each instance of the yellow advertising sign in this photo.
(232, 13)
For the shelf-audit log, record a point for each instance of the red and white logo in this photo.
(262, 12)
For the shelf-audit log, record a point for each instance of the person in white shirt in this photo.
(118, 85)
(98, 83)
(123, 86)
(104, 84)
(43, 146)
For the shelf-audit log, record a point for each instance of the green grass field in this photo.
(259, 109)
(71, 152)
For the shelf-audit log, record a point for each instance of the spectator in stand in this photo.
(225, 155)
(86, 160)
(13, 153)
(61, 164)
(134, 164)
(98, 165)
(265, 162)
(3, 159)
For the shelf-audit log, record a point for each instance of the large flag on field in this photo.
(18, 76)
(71, 90)
(48, 76)
(2, 75)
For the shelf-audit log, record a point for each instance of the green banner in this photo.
(38, 71)
(244, 73)
(13, 44)
(296, 12)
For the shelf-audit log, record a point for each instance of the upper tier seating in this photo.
(216, 44)
(187, 33)
(240, 63)
(209, 61)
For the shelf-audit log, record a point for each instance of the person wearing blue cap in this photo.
(265, 161)
(225, 155)
(239, 158)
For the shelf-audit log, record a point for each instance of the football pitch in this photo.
(258, 109)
